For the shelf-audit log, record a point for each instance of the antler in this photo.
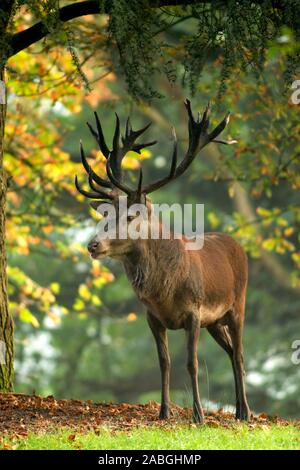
(93, 177)
(198, 138)
(113, 159)
(117, 153)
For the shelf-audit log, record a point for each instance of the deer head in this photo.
(107, 191)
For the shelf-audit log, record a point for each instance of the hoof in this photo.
(198, 416)
(164, 412)
(243, 415)
(198, 419)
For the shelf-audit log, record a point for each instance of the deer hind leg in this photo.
(235, 323)
(221, 335)
(161, 339)
(193, 331)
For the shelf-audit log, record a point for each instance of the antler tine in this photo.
(226, 142)
(93, 132)
(138, 147)
(131, 135)
(136, 134)
(188, 107)
(205, 118)
(128, 128)
(103, 147)
(103, 194)
(90, 171)
(220, 127)
(116, 138)
(115, 155)
(89, 194)
(194, 128)
(213, 136)
(99, 136)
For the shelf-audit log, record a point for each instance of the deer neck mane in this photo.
(154, 267)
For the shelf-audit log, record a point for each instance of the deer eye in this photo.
(130, 218)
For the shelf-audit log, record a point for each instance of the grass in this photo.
(178, 437)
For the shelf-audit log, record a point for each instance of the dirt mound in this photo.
(20, 414)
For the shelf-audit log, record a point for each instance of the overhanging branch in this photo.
(24, 39)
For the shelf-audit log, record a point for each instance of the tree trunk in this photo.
(6, 321)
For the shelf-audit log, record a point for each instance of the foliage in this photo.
(41, 176)
(143, 40)
(40, 173)
(131, 26)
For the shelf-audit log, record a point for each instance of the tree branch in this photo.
(24, 39)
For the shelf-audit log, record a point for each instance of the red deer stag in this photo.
(204, 288)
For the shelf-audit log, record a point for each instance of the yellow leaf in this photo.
(84, 292)
(79, 305)
(28, 289)
(269, 244)
(289, 231)
(263, 212)
(55, 287)
(145, 153)
(96, 268)
(96, 301)
(99, 282)
(282, 222)
(27, 317)
(131, 316)
(130, 163)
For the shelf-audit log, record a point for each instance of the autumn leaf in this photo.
(55, 287)
(84, 292)
(131, 316)
(27, 317)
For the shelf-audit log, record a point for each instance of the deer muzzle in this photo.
(96, 249)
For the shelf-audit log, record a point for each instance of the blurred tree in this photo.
(141, 43)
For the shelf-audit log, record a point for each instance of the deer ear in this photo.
(94, 205)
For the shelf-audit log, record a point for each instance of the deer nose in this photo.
(92, 246)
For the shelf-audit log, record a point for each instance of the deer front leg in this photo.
(193, 330)
(160, 335)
